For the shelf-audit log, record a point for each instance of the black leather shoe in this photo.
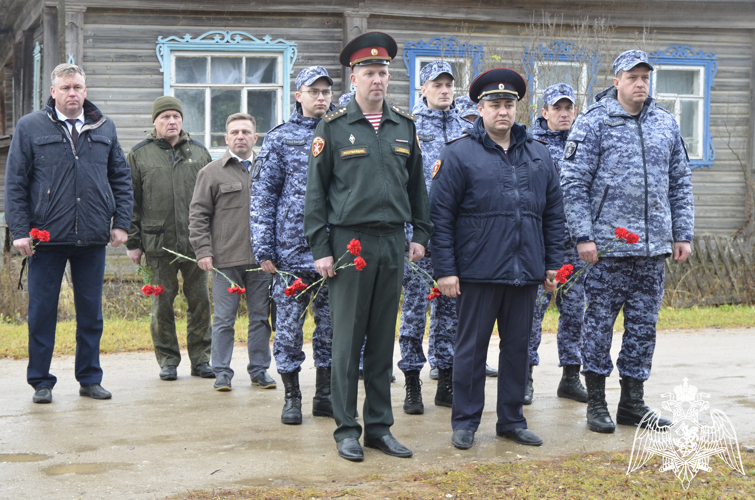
(521, 436)
(264, 380)
(350, 449)
(434, 373)
(94, 391)
(42, 394)
(490, 372)
(168, 372)
(203, 370)
(462, 439)
(222, 383)
(389, 445)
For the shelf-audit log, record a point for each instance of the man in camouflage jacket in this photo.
(164, 170)
(277, 215)
(625, 165)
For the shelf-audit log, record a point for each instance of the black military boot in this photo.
(322, 406)
(444, 396)
(529, 391)
(598, 417)
(570, 386)
(632, 405)
(292, 406)
(413, 402)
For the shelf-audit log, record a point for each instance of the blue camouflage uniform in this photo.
(466, 107)
(434, 129)
(344, 99)
(571, 306)
(622, 171)
(277, 216)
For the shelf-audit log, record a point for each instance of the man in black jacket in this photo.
(496, 205)
(67, 175)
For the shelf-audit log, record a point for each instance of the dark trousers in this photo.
(478, 307)
(46, 270)
(364, 304)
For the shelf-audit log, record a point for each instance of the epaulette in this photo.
(462, 136)
(192, 141)
(664, 109)
(335, 114)
(141, 145)
(593, 107)
(539, 140)
(402, 112)
(275, 128)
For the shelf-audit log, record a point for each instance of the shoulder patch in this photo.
(335, 114)
(436, 167)
(462, 136)
(258, 163)
(571, 148)
(318, 143)
(141, 145)
(403, 113)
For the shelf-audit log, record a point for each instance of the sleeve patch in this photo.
(257, 167)
(571, 149)
(318, 144)
(436, 167)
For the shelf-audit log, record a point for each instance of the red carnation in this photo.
(241, 290)
(359, 263)
(158, 290)
(298, 285)
(34, 233)
(434, 294)
(354, 247)
(290, 291)
(148, 290)
(43, 236)
(621, 233)
(632, 238)
(562, 276)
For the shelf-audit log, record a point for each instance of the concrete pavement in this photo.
(157, 438)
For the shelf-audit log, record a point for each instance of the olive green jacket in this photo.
(163, 177)
(358, 178)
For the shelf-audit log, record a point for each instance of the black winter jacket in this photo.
(498, 216)
(72, 191)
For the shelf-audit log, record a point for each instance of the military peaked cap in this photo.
(369, 48)
(498, 83)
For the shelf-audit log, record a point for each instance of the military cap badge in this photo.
(317, 146)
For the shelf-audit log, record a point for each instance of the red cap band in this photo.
(369, 53)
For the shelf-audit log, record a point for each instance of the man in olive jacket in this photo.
(221, 236)
(163, 171)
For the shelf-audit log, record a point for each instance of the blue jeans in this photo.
(46, 270)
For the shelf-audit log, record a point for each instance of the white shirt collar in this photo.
(63, 117)
(251, 157)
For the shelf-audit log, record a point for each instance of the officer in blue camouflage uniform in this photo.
(466, 108)
(437, 123)
(625, 165)
(277, 215)
(553, 127)
(344, 99)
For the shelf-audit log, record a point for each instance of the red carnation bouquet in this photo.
(38, 237)
(564, 275)
(147, 274)
(427, 279)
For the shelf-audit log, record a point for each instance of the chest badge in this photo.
(317, 146)
(351, 138)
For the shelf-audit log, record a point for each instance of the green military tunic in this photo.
(365, 185)
(163, 178)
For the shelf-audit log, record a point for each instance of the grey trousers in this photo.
(257, 284)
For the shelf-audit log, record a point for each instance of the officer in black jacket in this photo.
(496, 205)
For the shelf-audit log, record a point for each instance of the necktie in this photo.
(247, 164)
(74, 132)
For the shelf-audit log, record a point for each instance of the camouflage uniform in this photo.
(571, 305)
(277, 215)
(622, 171)
(434, 129)
(466, 107)
(344, 99)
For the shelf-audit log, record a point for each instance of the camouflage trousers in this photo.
(636, 283)
(289, 337)
(443, 322)
(163, 324)
(571, 309)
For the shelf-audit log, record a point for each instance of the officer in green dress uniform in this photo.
(365, 180)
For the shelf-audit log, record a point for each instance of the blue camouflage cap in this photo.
(310, 74)
(629, 59)
(559, 91)
(465, 107)
(433, 70)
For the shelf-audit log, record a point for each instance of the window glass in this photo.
(222, 104)
(689, 125)
(191, 70)
(261, 70)
(261, 104)
(193, 104)
(678, 81)
(680, 91)
(226, 70)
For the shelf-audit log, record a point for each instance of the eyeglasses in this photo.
(315, 93)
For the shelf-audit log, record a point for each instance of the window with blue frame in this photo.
(224, 72)
(559, 62)
(681, 83)
(465, 59)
